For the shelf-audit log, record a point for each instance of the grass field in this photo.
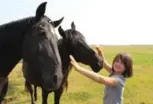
(138, 90)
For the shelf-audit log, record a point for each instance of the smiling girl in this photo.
(122, 68)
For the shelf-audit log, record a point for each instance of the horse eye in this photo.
(49, 21)
(40, 25)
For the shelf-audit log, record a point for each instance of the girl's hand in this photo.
(100, 53)
(74, 63)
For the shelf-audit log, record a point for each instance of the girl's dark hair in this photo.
(126, 59)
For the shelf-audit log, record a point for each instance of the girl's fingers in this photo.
(98, 49)
(72, 58)
(72, 63)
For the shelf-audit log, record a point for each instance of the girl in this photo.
(114, 84)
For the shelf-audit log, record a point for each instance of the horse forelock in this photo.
(74, 36)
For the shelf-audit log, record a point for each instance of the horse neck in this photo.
(14, 30)
(11, 36)
(64, 54)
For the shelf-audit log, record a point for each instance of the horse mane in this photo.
(25, 21)
(66, 83)
(14, 29)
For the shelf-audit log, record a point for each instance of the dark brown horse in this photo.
(43, 68)
(34, 40)
(73, 43)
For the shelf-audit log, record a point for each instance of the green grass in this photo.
(81, 90)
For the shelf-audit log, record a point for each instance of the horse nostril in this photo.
(55, 79)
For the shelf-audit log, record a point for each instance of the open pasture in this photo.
(138, 90)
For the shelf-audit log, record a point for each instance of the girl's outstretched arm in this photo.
(92, 75)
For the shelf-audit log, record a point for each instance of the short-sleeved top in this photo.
(114, 95)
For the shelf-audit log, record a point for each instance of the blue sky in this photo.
(100, 21)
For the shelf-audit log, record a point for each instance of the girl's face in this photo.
(118, 66)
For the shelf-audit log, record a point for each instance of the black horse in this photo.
(34, 40)
(73, 43)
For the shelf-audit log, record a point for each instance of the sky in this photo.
(105, 22)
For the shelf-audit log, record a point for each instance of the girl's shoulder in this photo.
(120, 78)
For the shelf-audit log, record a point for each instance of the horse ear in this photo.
(61, 31)
(40, 10)
(57, 22)
(73, 25)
